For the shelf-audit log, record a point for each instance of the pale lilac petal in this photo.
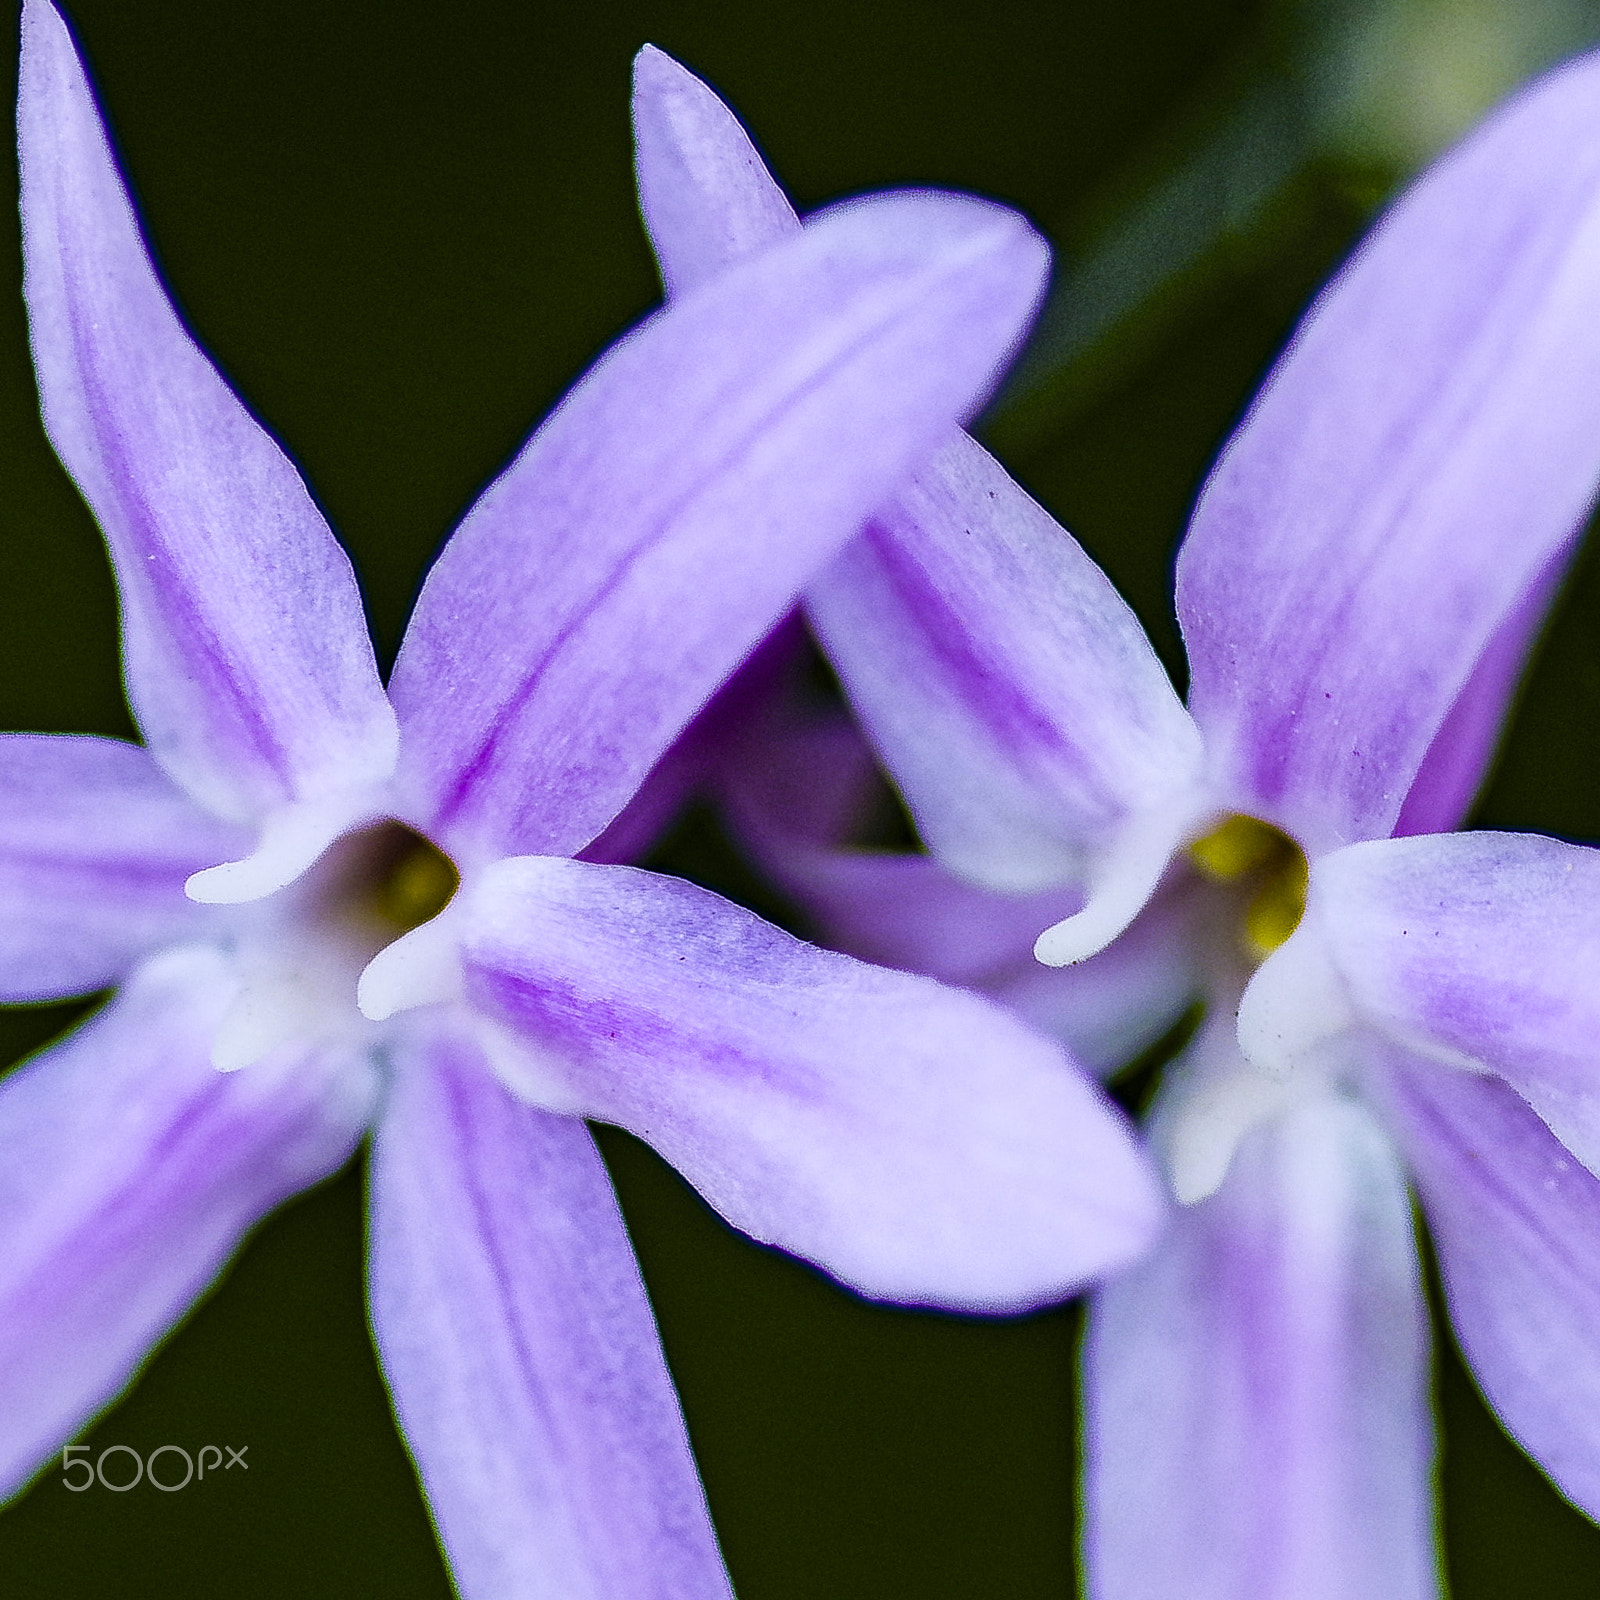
(1458, 760)
(697, 762)
(667, 791)
(1421, 456)
(793, 792)
(907, 912)
(664, 517)
(1010, 690)
(95, 845)
(1479, 949)
(132, 1169)
(1008, 687)
(246, 652)
(1256, 1390)
(706, 195)
(1514, 1220)
(520, 1347)
(916, 1141)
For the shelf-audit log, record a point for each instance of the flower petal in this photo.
(706, 194)
(914, 1140)
(1458, 760)
(246, 652)
(666, 514)
(1419, 459)
(1008, 687)
(1478, 949)
(1256, 1390)
(95, 844)
(793, 789)
(1010, 690)
(520, 1347)
(132, 1169)
(1514, 1220)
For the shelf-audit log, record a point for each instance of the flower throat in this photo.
(1267, 863)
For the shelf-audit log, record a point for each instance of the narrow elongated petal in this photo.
(1423, 453)
(132, 1169)
(1010, 690)
(1514, 1219)
(705, 192)
(520, 1348)
(1256, 1390)
(914, 1140)
(1479, 949)
(665, 516)
(246, 653)
(95, 845)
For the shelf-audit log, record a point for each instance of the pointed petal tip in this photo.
(652, 62)
(41, 14)
(655, 73)
(247, 690)
(46, 42)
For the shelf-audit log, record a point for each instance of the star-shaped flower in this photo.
(1366, 570)
(325, 906)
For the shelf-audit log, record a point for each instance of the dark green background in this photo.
(402, 229)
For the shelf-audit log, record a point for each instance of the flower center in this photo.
(1269, 866)
(376, 885)
(301, 955)
(412, 880)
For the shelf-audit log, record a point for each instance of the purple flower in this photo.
(365, 908)
(1365, 572)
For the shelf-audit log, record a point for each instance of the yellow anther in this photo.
(418, 886)
(1237, 846)
(1246, 847)
(1277, 908)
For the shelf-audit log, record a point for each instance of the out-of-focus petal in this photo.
(667, 513)
(95, 845)
(1010, 690)
(1113, 1006)
(1256, 1390)
(1423, 453)
(796, 785)
(1213, 1095)
(132, 1169)
(916, 1141)
(245, 649)
(706, 195)
(1479, 949)
(520, 1348)
(1514, 1219)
